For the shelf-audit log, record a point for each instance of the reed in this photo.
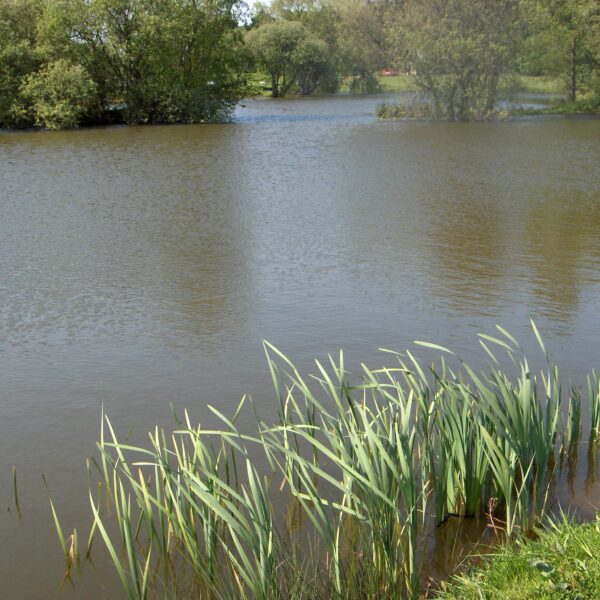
(373, 478)
(369, 466)
(573, 425)
(16, 492)
(593, 382)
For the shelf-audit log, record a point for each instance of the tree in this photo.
(156, 61)
(347, 40)
(275, 47)
(458, 50)
(165, 62)
(564, 38)
(18, 54)
(58, 95)
(313, 65)
(361, 45)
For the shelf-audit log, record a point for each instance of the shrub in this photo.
(59, 95)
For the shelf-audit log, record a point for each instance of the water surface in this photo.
(143, 266)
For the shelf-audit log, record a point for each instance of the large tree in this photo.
(165, 61)
(564, 40)
(347, 40)
(151, 61)
(277, 47)
(362, 47)
(18, 53)
(457, 51)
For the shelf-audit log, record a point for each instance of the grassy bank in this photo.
(360, 471)
(585, 106)
(258, 84)
(538, 84)
(397, 83)
(419, 108)
(563, 562)
(405, 83)
(525, 84)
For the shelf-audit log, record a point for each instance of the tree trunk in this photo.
(573, 74)
(492, 93)
(275, 86)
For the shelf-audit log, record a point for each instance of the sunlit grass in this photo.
(562, 562)
(538, 84)
(397, 83)
(528, 84)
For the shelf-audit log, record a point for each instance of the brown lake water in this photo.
(143, 266)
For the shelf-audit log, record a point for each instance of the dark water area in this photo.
(143, 266)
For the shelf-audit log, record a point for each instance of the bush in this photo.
(415, 111)
(59, 95)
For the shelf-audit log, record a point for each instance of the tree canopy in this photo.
(563, 39)
(65, 63)
(457, 51)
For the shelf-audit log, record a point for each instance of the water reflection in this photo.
(564, 241)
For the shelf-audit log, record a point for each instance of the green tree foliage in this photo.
(457, 51)
(564, 40)
(168, 61)
(362, 47)
(64, 63)
(346, 43)
(57, 96)
(277, 47)
(18, 54)
(313, 65)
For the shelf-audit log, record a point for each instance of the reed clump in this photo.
(368, 467)
(407, 111)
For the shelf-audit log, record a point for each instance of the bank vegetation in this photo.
(66, 63)
(365, 470)
(562, 561)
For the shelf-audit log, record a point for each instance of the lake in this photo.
(142, 267)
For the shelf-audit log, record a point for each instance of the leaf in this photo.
(540, 565)
(433, 346)
(539, 338)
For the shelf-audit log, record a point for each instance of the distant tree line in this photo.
(65, 63)
(308, 46)
(458, 52)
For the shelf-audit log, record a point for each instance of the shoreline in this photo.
(410, 113)
(564, 558)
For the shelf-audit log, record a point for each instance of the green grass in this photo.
(397, 83)
(562, 563)
(258, 81)
(538, 84)
(370, 464)
(589, 105)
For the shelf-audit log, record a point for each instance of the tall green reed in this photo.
(371, 465)
(593, 382)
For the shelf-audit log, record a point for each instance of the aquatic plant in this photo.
(367, 467)
(593, 382)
